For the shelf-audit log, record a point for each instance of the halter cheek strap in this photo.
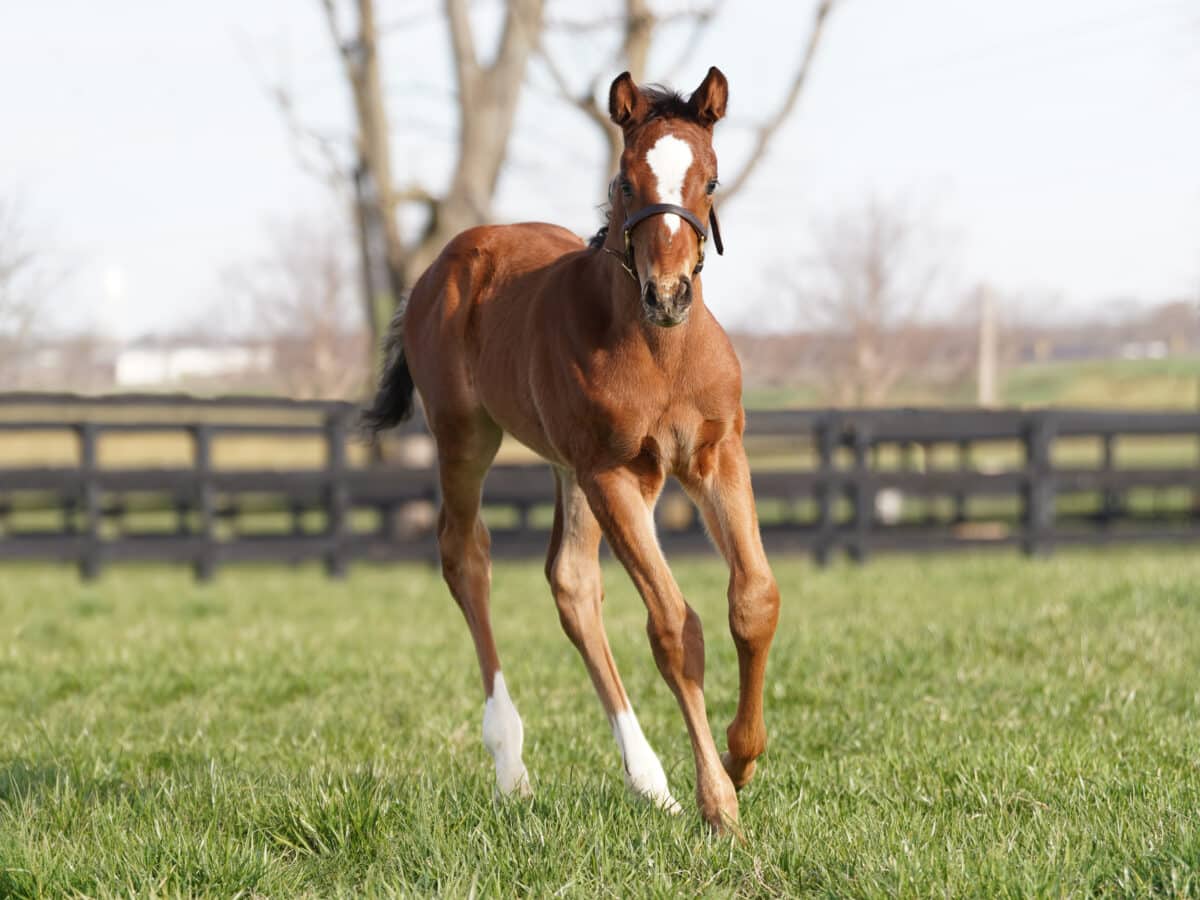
(663, 209)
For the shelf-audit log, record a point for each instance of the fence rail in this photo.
(827, 482)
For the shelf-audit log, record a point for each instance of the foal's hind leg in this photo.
(573, 570)
(466, 448)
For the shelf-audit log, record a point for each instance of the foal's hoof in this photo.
(650, 785)
(724, 823)
(660, 796)
(514, 785)
(720, 811)
(739, 772)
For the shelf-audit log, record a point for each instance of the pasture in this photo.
(975, 725)
(1130, 383)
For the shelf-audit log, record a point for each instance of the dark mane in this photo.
(596, 241)
(665, 103)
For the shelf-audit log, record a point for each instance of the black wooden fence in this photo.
(827, 481)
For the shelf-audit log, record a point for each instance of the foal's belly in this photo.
(516, 414)
(534, 439)
(671, 440)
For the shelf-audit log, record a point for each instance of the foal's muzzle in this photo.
(667, 301)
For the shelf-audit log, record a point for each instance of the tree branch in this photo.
(767, 130)
(700, 19)
(584, 25)
(522, 34)
(413, 20)
(640, 23)
(415, 193)
(585, 101)
(462, 42)
(335, 32)
(331, 169)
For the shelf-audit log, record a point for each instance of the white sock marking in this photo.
(669, 159)
(503, 735)
(644, 774)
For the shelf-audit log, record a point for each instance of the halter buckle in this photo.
(628, 264)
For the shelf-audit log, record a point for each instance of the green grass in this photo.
(1116, 384)
(969, 726)
(1157, 383)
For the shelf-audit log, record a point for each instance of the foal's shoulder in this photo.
(714, 370)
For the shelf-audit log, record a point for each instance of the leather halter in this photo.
(663, 209)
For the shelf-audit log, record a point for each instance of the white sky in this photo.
(1056, 141)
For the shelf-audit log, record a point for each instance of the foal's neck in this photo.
(630, 326)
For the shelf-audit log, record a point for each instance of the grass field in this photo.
(1114, 383)
(983, 726)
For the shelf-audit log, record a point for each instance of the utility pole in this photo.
(1198, 376)
(986, 382)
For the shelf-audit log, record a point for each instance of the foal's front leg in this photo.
(720, 485)
(573, 569)
(622, 504)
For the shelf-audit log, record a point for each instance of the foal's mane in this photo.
(664, 103)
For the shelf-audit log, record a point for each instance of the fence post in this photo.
(89, 559)
(337, 495)
(1039, 489)
(205, 565)
(960, 497)
(864, 493)
(928, 506)
(825, 440)
(1111, 499)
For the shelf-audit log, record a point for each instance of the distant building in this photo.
(1159, 349)
(155, 362)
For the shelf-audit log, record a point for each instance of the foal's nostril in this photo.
(683, 293)
(650, 294)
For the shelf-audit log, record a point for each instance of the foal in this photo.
(606, 362)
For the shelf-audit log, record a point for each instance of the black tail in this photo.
(393, 401)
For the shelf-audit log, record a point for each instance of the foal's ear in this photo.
(708, 101)
(626, 105)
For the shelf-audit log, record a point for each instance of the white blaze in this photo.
(503, 735)
(644, 774)
(669, 159)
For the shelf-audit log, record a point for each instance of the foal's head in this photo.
(668, 159)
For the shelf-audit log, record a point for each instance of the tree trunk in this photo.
(487, 103)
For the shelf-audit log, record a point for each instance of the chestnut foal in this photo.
(605, 361)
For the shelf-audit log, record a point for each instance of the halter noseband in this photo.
(663, 209)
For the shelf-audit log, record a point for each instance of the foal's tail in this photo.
(393, 401)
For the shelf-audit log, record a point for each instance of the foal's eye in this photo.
(711, 187)
(626, 189)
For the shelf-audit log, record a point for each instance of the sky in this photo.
(1050, 148)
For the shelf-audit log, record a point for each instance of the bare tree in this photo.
(23, 282)
(300, 299)
(486, 98)
(867, 285)
(639, 27)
